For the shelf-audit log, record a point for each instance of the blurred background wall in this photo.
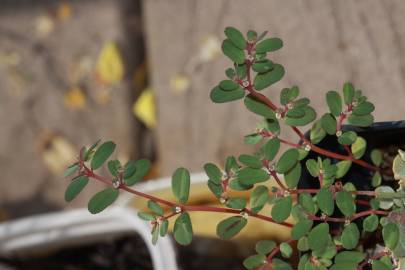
(55, 95)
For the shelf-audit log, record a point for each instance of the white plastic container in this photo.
(78, 227)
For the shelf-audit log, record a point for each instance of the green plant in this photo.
(322, 244)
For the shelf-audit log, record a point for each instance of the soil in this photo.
(129, 252)
(213, 254)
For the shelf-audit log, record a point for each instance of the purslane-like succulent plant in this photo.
(331, 220)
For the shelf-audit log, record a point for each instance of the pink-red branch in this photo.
(275, 251)
(188, 208)
(352, 218)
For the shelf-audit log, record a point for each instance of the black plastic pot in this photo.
(379, 135)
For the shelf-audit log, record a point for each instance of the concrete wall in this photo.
(326, 44)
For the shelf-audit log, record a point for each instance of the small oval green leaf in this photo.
(325, 201)
(269, 45)
(350, 236)
(181, 184)
(236, 37)
(263, 80)
(258, 107)
(359, 147)
(230, 227)
(218, 95)
(328, 122)
(75, 187)
(282, 209)
(102, 200)
(287, 160)
(345, 203)
(141, 167)
(334, 102)
(234, 53)
(183, 229)
(102, 154)
(390, 234)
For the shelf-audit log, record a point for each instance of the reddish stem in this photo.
(170, 215)
(375, 257)
(275, 176)
(296, 145)
(276, 250)
(189, 208)
(348, 151)
(354, 217)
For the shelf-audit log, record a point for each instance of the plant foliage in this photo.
(309, 213)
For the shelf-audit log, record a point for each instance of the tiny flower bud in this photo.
(245, 83)
(159, 220)
(338, 133)
(290, 105)
(116, 183)
(177, 209)
(222, 200)
(244, 214)
(307, 148)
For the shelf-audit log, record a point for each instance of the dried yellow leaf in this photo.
(64, 11)
(75, 99)
(144, 108)
(57, 153)
(110, 67)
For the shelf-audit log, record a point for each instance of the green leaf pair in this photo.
(265, 79)
(159, 230)
(218, 95)
(302, 116)
(329, 171)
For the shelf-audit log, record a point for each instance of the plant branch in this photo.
(354, 217)
(188, 208)
(370, 259)
(314, 148)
